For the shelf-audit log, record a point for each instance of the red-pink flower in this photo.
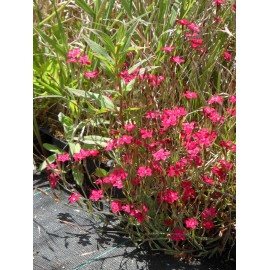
(124, 139)
(84, 60)
(219, 2)
(183, 22)
(168, 196)
(196, 42)
(127, 208)
(92, 74)
(190, 95)
(84, 154)
(111, 144)
(161, 154)
(191, 223)
(144, 171)
(227, 56)
(231, 111)
(177, 59)
(116, 206)
(128, 127)
(168, 49)
(188, 193)
(74, 197)
(63, 157)
(215, 99)
(53, 179)
(93, 152)
(209, 212)
(96, 195)
(189, 35)
(51, 166)
(178, 235)
(74, 53)
(152, 115)
(208, 180)
(208, 224)
(72, 60)
(194, 27)
(232, 99)
(146, 133)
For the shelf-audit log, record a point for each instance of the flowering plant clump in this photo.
(164, 116)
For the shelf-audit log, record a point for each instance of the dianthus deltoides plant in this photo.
(172, 139)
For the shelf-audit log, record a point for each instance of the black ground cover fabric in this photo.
(68, 238)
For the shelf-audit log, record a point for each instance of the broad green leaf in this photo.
(101, 100)
(98, 50)
(78, 176)
(52, 148)
(94, 140)
(74, 148)
(49, 160)
(67, 125)
(101, 172)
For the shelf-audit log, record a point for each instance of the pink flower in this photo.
(74, 53)
(208, 224)
(178, 235)
(74, 197)
(208, 110)
(146, 133)
(177, 59)
(127, 208)
(207, 180)
(168, 49)
(152, 115)
(196, 42)
(168, 196)
(128, 159)
(215, 99)
(93, 153)
(111, 144)
(116, 206)
(168, 222)
(84, 154)
(72, 60)
(227, 56)
(191, 223)
(209, 212)
(144, 171)
(124, 139)
(188, 194)
(183, 22)
(194, 27)
(161, 154)
(219, 2)
(234, 7)
(96, 195)
(51, 166)
(84, 60)
(190, 95)
(232, 99)
(53, 179)
(231, 111)
(63, 157)
(92, 74)
(189, 35)
(128, 127)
